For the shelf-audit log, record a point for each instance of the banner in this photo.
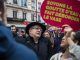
(60, 12)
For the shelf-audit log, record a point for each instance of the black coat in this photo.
(19, 39)
(40, 48)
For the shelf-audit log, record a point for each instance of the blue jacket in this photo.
(10, 50)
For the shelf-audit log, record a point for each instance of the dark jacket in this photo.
(57, 41)
(10, 50)
(19, 39)
(41, 48)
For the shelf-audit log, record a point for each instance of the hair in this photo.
(15, 27)
(77, 36)
(2, 7)
(47, 32)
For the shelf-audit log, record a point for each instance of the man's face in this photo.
(35, 31)
(13, 29)
(46, 34)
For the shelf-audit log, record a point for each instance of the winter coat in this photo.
(41, 48)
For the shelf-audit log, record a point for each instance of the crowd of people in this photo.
(38, 41)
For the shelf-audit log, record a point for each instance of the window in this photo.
(33, 0)
(24, 15)
(32, 17)
(24, 3)
(39, 18)
(14, 14)
(15, 1)
(33, 4)
(39, 5)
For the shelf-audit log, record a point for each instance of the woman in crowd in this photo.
(70, 47)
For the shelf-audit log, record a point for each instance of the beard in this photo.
(14, 34)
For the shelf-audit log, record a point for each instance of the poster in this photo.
(60, 12)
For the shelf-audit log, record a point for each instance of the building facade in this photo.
(19, 11)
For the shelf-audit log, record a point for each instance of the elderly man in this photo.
(35, 41)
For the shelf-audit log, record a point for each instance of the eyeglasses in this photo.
(36, 27)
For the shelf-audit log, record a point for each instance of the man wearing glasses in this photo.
(35, 41)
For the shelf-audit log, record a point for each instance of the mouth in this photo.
(38, 33)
